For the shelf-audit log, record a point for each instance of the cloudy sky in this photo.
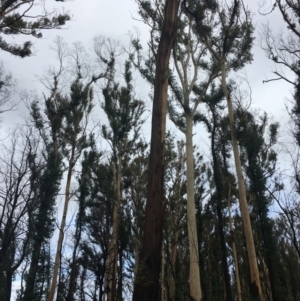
(115, 19)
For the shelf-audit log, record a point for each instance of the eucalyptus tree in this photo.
(90, 158)
(175, 229)
(218, 145)
(97, 223)
(147, 285)
(135, 175)
(49, 126)
(257, 138)
(77, 109)
(57, 133)
(227, 32)
(188, 56)
(125, 118)
(191, 63)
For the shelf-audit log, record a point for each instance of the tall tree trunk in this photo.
(147, 286)
(30, 281)
(255, 281)
(120, 276)
(219, 197)
(162, 276)
(62, 225)
(235, 259)
(172, 265)
(112, 259)
(74, 273)
(194, 279)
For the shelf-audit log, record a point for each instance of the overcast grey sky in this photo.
(114, 19)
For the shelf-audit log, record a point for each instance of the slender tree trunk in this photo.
(74, 265)
(235, 259)
(62, 226)
(194, 280)
(120, 277)
(30, 281)
(136, 257)
(172, 266)
(255, 281)
(219, 197)
(112, 260)
(162, 276)
(147, 284)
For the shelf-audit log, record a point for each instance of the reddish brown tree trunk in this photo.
(147, 284)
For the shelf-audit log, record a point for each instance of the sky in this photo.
(115, 19)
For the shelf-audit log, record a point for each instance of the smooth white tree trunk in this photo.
(194, 277)
(62, 226)
(255, 280)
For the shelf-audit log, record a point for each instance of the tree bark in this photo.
(162, 276)
(194, 280)
(255, 281)
(74, 273)
(62, 226)
(112, 260)
(147, 284)
(235, 258)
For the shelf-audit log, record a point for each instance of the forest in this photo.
(109, 196)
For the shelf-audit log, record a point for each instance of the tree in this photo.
(124, 113)
(97, 223)
(213, 124)
(19, 172)
(135, 175)
(15, 19)
(188, 57)
(188, 51)
(230, 47)
(257, 139)
(283, 50)
(49, 127)
(175, 226)
(147, 282)
(76, 109)
(90, 158)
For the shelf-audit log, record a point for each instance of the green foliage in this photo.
(229, 34)
(257, 141)
(124, 113)
(13, 22)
